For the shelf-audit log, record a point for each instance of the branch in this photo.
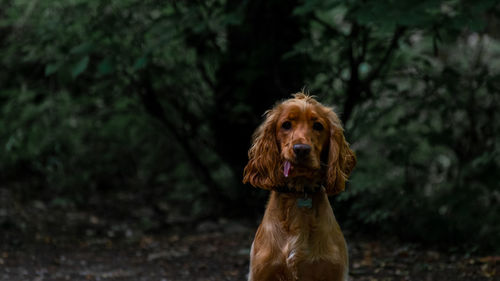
(326, 25)
(356, 86)
(204, 74)
(353, 61)
(364, 45)
(392, 47)
(27, 13)
(155, 109)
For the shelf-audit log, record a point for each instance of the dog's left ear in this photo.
(341, 159)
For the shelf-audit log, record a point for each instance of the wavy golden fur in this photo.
(300, 146)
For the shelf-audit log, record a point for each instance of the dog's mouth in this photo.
(297, 168)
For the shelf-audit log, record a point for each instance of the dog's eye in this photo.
(317, 126)
(287, 125)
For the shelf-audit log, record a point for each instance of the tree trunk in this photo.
(255, 74)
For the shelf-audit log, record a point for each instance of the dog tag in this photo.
(305, 203)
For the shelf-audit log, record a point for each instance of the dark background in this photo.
(120, 118)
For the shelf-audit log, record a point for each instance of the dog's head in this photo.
(300, 139)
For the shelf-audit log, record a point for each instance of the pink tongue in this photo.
(286, 169)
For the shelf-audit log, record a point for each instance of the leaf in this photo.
(51, 68)
(83, 48)
(105, 67)
(80, 67)
(311, 6)
(140, 63)
(364, 68)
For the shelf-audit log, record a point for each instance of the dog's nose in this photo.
(301, 150)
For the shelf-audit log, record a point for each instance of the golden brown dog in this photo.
(301, 155)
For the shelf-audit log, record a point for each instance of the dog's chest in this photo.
(307, 236)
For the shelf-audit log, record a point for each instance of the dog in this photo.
(300, 154)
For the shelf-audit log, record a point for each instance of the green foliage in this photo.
(425, 125)
(72, 121)
(101, 98)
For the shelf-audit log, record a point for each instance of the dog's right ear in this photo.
(264, 164)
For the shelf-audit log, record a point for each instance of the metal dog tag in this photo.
(305, 203)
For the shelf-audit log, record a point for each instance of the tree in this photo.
(159, 100)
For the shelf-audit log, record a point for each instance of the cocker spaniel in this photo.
(299, 153)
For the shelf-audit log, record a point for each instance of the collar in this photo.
(304, 198)
(308, 190)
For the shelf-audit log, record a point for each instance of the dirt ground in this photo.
(216, 251)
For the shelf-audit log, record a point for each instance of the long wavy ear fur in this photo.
(341, 159)
(264, 164)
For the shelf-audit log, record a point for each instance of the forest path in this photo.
(211, 251)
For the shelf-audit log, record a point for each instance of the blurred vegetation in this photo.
(106, 104)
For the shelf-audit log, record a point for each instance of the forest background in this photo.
(143, 111)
